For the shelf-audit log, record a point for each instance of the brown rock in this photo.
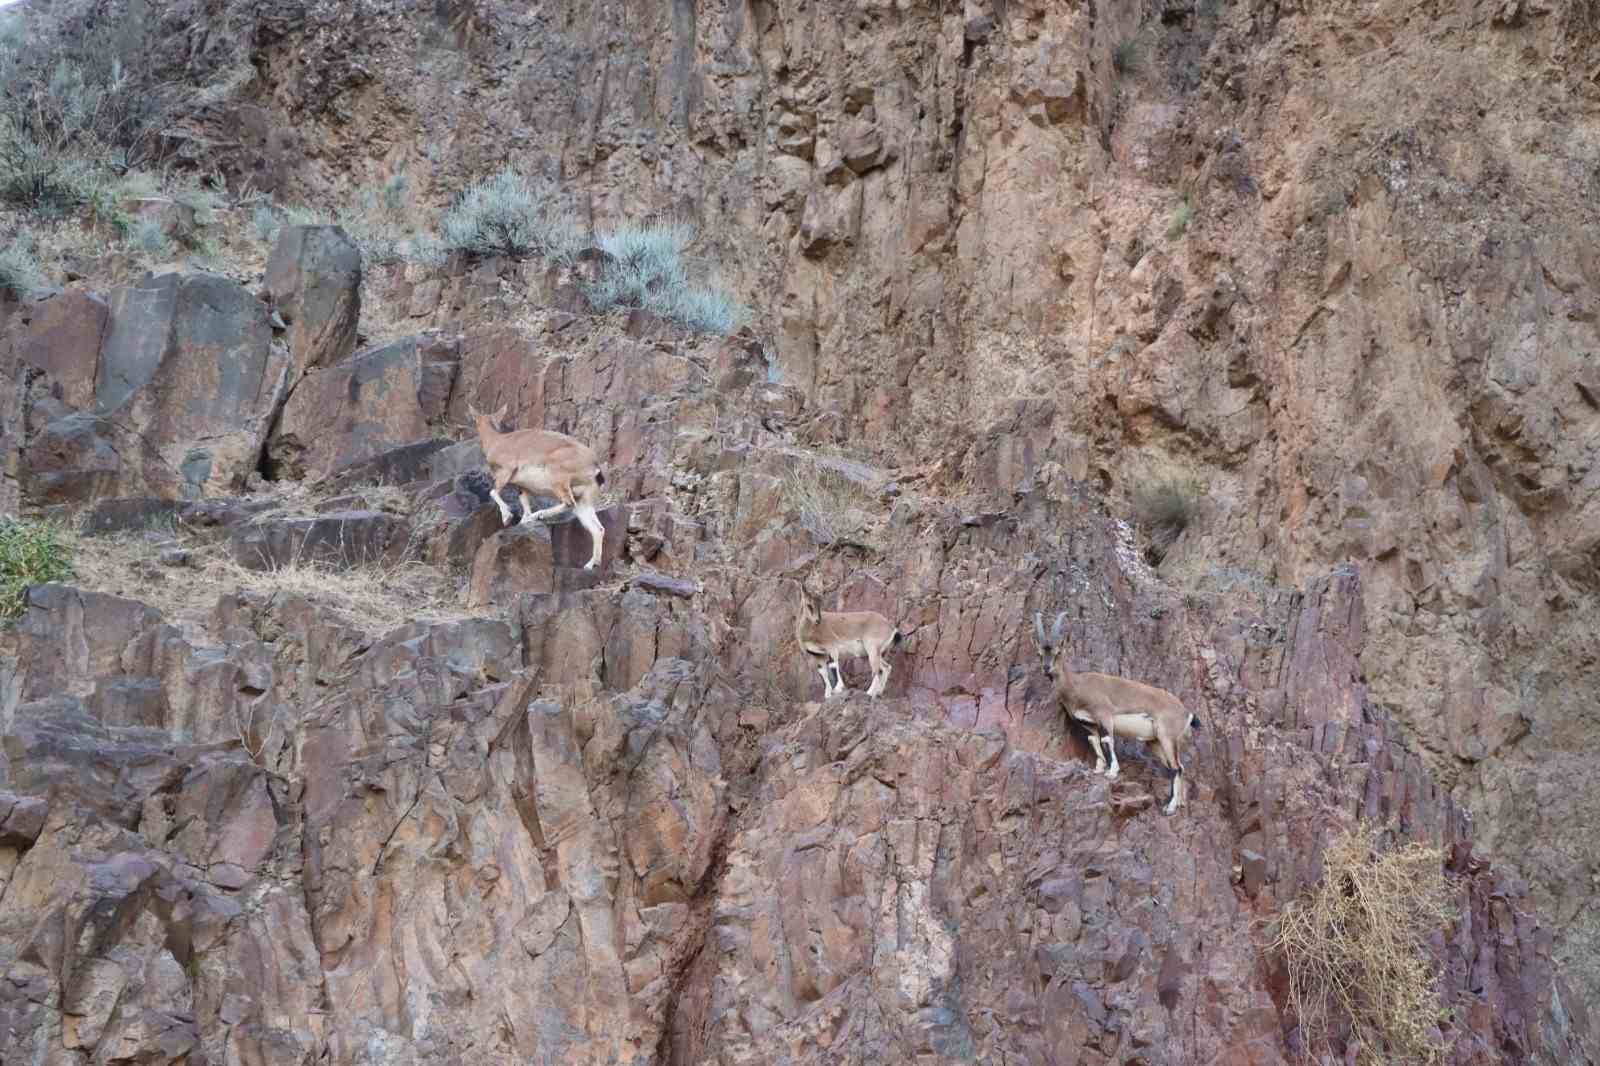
(368, 405)
(341, 539)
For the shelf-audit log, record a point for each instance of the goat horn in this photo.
(1038, 627)
(1055, 631)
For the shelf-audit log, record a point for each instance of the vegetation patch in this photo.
(31, 553)
(1125, 57)
(832, 506)
(1182, 215)
(1354, 948)
(1164, 503)
(509, 215)
(20, 273)
(646, 270)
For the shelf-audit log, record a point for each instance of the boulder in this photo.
(167, 389)
(542, 558)
(373, 403)
(314, 282)
(342, 539)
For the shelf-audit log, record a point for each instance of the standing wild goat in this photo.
(546, 463)
(1114, 706)
(828, 635)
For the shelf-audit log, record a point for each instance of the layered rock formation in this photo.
(605, 821)
(1010, 257)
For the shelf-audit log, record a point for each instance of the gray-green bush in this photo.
(646, 270)
(80, 106)
(508, 214)
(19, 269)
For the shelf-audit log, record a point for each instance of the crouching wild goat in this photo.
(827, 636)
(540, 462)
(1114, 706)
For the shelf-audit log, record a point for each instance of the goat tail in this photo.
(1194, 722)
(896, 638)
(599, 476)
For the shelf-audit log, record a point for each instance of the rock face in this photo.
(1015, 259)
(609, 822)
(167, 389)
(351, 411)
(314, 282)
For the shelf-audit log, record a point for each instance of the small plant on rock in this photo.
(1181, 217)
(1354, 948)
(1164, 503)
(147, 236)
(20, 273)
(31, 553)
(1125, 57)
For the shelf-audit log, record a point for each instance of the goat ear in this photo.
(500, 415)
(1038, 629)
(1055, 630)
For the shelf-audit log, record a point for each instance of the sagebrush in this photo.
(81, 107)
(646, 269)
(20, 273)
(1354, 949)
(508, 214)
(31, 553)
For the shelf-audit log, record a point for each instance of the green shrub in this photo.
(265, 221)
(31, 553)
(20, 273)
(1125, 57)
(508, 215)
(147, 236)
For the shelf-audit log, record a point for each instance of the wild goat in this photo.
(1116, 707)
(538, 461)
(828, 635)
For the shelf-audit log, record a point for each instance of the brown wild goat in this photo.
(1114, 706)
(826, 636)
(540, 462)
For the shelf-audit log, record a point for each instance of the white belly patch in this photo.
(1134, 726)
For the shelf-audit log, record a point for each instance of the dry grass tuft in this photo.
(1354, 949)
(1164, 502)
(832, 506)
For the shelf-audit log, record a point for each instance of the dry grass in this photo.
(377, 597)
(833, 506)
(1164, 501)
(1354, 949)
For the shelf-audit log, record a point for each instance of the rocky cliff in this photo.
(1006, 258)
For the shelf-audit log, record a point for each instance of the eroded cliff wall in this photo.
(1330, 261)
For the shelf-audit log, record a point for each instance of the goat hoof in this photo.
(588, 566)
